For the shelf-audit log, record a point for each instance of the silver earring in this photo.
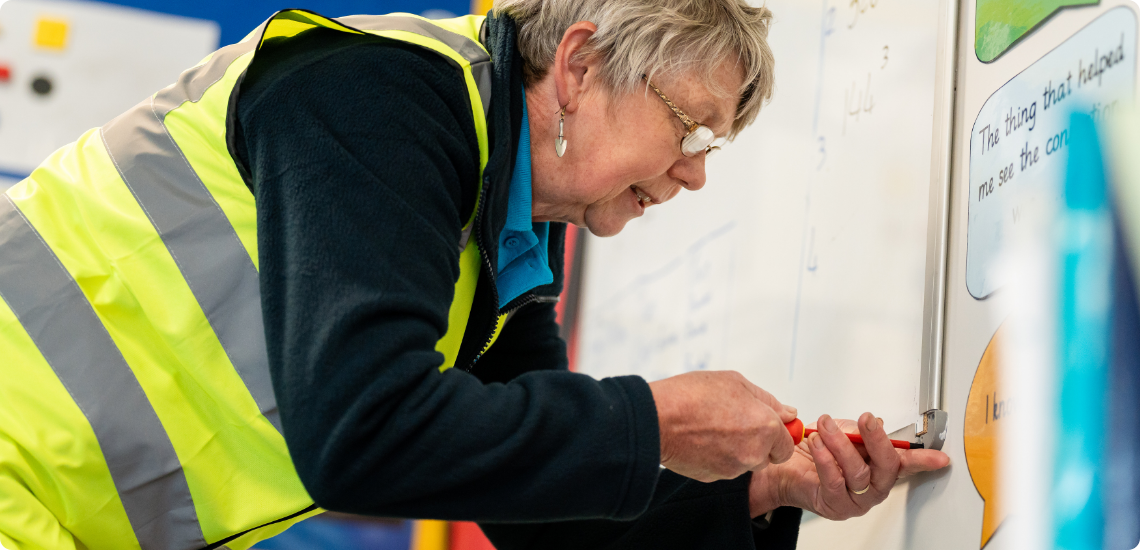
(560, 142)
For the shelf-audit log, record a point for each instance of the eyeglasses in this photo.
(699, 137)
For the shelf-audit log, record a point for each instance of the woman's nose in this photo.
(690, 171)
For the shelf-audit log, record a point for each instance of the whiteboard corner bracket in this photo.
(931, 429)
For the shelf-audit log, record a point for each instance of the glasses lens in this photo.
(698, 140)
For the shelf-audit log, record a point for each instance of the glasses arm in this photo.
(689, 123)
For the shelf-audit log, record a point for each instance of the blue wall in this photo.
(238, 17)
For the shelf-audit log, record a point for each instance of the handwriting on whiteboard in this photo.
(672, 319)
(859, 7)
(858, 107)
(857, 101)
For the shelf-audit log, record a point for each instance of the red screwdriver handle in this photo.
(798, 432)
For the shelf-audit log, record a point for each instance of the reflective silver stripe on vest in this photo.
(70, 336)
(465, 236)
(467, 48)
(193, 227)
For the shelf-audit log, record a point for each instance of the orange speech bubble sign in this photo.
(987, 410)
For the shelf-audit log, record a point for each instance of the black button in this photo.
(512, 242)
(42, 85)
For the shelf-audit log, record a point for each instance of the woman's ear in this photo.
(573, 72)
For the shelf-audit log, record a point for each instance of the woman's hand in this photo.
(718, 425)
(827, 469)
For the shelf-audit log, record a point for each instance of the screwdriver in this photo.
(799, 432)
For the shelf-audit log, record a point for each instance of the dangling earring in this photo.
(560, 142)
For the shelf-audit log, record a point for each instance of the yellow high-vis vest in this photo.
(136, 406)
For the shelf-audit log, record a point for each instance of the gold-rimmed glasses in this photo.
(699, 137)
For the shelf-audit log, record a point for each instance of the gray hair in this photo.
(649, 37)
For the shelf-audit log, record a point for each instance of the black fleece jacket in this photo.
(362, 156)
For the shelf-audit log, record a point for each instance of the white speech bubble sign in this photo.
(1019, 143)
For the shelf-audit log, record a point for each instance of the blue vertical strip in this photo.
(1122, 466)
(1085, 268)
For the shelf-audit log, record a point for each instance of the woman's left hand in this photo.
(827, 469)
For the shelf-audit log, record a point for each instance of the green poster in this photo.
(1001, 23)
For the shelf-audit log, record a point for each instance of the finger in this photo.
(783, 447)
(855, 469)
(884, 459)
(789, 414)
(852, 427)
(832, 485)
(785, 412)
(848, 426)
(921, 460)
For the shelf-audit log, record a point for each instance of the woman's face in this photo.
(624, 154)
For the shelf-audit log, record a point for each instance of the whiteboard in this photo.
(812, 260)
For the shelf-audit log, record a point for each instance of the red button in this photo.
(5, 74)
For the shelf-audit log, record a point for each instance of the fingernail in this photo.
(815, 441)
(880, 423)
(828, 425)
(792, 410)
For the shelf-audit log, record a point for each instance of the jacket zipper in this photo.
(482, 205)
(517, 303)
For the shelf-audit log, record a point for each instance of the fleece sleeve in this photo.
(684, 514)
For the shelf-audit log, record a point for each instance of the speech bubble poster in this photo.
(999, 24)
(987, 410)
(1020, 141)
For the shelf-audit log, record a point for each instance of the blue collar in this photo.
(523, 254)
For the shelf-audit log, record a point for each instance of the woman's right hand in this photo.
(718, 425)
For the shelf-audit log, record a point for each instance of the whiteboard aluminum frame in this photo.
(938, 221)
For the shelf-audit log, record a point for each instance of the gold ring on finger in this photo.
(865, 489)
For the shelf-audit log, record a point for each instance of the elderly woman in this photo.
(318, 272)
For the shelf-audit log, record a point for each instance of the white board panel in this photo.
(97, 61)
(803, 262)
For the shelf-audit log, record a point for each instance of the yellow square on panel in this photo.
(51, 34)
(481, 7)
